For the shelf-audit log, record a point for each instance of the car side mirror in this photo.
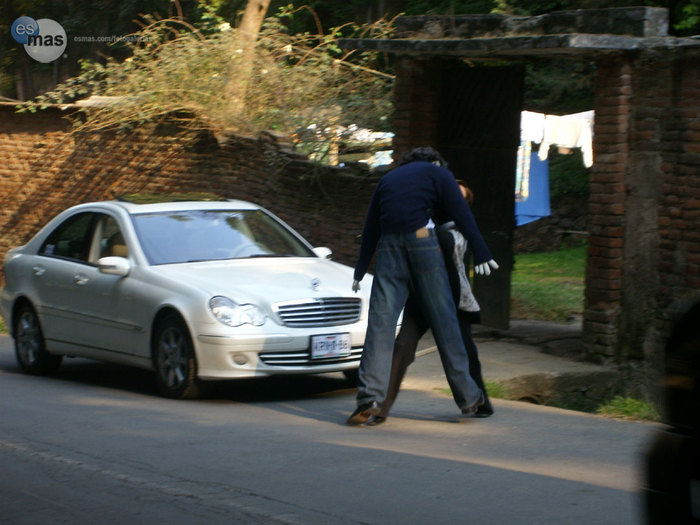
(114, 265)
(323, 252)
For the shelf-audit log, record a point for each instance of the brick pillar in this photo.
(653, 112)
(606, 208)
(416, 103)
(644, 206)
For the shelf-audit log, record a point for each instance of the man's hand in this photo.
(355, 286)
(485, 268)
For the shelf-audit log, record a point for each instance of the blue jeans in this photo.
(406, 262)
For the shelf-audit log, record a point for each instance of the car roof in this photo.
(134, 208)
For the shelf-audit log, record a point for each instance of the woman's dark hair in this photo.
(469, 193)
(424, 153)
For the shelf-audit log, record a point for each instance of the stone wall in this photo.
(44, 168)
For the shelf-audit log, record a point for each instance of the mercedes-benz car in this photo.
(194, 290)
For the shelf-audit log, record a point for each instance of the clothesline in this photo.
(532, 171)
(567, 131)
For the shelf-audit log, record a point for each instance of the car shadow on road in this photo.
(281, 388)
(278, 393)
(253, 390)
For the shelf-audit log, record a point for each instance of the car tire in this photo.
(174, 361)
(30, 348)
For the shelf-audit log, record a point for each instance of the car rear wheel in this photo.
(30, 349)
(173, 359)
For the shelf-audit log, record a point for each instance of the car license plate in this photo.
(331, 345)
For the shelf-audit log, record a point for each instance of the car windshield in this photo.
(206, 235)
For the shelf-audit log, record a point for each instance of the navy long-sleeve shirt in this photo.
(404, 200)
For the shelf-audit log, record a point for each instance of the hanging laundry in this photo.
(522, 171)
(536, 204)
(532, 169)
(569, 131)
(531, 126)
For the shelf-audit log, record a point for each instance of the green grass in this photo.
(3, 328)
(629, 408)
(549, 285)
(493, 389)
(497, 390)
(619, 407)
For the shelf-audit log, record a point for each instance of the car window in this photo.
(71, 239)
(108, 240)
(202, 235)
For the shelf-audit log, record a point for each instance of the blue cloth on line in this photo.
(536, 205)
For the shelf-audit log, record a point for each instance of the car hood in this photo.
(264, 281)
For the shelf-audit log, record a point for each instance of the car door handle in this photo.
(80, 279)
(38, 270)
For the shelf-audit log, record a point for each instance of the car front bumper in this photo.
(231, 357)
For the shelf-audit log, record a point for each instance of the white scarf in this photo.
(467, 301)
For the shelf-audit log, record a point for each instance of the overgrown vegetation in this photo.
(304, 84)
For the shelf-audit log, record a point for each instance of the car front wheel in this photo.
(29, 344)
(173, 359)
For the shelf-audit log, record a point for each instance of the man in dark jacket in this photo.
(399, 222)
(455, 253)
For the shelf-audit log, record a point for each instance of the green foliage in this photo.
(568, 175)
(559, 87)
(629, 408)
(549, 285)
(687, 17)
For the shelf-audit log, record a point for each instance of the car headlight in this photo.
(233, 314)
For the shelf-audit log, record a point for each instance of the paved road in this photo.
(93, 445)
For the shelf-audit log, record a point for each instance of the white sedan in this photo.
(194, 290)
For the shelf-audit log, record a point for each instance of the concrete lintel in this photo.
(565, 46)
(629, 21)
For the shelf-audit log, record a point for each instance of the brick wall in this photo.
(678, 281)
(644, 210)
(416, 103)
(44, 169)
(606, 208)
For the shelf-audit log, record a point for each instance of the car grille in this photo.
(319, 312)
(303, 359)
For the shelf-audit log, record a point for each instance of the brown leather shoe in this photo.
(363, 412)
